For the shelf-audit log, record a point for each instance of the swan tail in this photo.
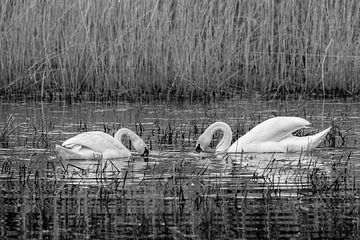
(316, 139)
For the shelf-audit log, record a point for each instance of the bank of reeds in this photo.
(167, 48)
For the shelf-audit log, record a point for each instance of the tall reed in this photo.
(170, 48)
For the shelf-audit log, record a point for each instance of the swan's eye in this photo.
(145, 153)
(198, 148)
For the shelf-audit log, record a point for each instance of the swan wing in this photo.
(266, 135)
(274, 129)
(96, 140)
(275, 135)
(296, 144)
(77, 153)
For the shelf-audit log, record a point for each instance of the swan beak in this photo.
(145, 153)
(198, 148)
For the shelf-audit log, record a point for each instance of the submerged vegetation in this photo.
(176, 192)
(6, 131)
(183, 197)
(167, 48)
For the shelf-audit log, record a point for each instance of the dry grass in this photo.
(173, 49)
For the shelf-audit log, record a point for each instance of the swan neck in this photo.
(125, 132)
(225, 141)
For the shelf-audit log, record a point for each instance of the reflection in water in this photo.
(176, 192)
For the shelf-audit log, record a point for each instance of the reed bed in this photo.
(173, 194)
(180, 200)
(167, 48)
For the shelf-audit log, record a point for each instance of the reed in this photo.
(6, 131)
(179, 198)
(179, 49)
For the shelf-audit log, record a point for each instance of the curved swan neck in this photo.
(125, 132)
(225, 141)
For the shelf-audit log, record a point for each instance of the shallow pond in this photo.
(177, 192)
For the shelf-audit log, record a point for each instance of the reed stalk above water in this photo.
(171, 48)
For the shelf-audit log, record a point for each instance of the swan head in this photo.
(202, 143)
(198, 148)
(137, 142)
(141, 147)
(145, 153)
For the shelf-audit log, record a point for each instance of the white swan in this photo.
(96, 144)
(272, 135)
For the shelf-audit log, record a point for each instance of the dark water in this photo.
(176, 192)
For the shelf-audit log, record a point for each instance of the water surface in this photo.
(176, 192)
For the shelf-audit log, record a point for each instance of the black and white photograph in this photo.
(179, 119)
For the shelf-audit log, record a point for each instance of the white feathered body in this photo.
(96, 144)
(275, 135)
